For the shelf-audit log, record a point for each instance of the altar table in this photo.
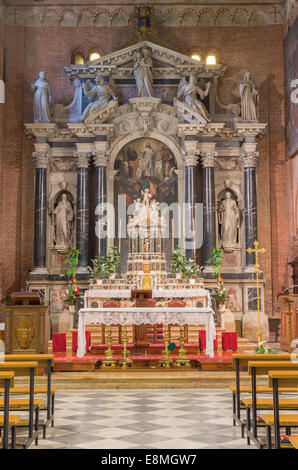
(147, 316)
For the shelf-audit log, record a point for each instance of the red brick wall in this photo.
(257, 49)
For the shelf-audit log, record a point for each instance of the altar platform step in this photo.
(141, 379)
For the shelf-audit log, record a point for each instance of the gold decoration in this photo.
(25, 332)
(146, 282)
(125, 361)
(257, 250)
(109, 361)
(166, 360)
(182, 359)
(289, 314)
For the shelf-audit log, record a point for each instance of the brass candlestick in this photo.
(125, 361)
(182, 359)
(166, 360)
(109, 361)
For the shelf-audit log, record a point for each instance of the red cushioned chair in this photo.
(202, 341)
(229, 341)
(75, 340)
(59, 342)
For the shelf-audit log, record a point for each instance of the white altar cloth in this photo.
(107, 294)
(147, 316)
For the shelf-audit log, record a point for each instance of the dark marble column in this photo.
(82, 232)
(249, 162)
(190, 200)
(100, 162)
(41, 158)
(209, 211)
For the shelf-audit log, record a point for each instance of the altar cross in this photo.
(14, 13)
(257, 250)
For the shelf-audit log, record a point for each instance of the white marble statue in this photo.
(63, 224)
(42, 99)
(229, 218)
(143, 72)
(188, 92)
(249, 98)
(103, 93)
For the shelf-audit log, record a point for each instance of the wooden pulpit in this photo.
(288, 305)
(26, 324)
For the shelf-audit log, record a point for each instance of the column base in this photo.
(83, 270)
(250, 326)
(39, 271)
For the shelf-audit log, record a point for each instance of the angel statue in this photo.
(249, 98)
(188, 92)
(103, 93)
(142, 69)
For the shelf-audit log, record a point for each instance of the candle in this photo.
(119, 237)
(172, 234)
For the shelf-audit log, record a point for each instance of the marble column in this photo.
(100, 159)
(190, 160)
(82, 232)
(208, 196)
(41, 159)
(249, 160)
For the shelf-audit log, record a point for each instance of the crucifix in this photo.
(275, 11)
(15, 14)
(257, 250)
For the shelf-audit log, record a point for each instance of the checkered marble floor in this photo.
(143, 419)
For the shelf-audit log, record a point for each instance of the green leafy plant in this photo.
(72, 294)
(72, 262)
(261, 349)
(178, 261)
(192, 269)
(111, 262)
(96, 269)
(216, 259)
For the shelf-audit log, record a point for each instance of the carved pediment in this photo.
(167, 64)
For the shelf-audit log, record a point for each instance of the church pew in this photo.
(240, 362)
(12, 423)
(294, 441)
(6, 379)
(261, 368)
(45, 362)
(22, 368)
(277, 379)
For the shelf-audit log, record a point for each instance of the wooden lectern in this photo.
(26, 324)
(288, 305)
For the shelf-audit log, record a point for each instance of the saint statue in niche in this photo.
(249, 98)
(188, 92)
(63, 221)
(42, 99)
(229, 218)
(103, 93)
(143, 72)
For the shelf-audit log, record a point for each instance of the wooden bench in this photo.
(12, 422)
(294, 441)
(279, 378)
(240, 362)
(22, 368)
(288, 421)
(6, 379)
(45, 362)
(261, 368)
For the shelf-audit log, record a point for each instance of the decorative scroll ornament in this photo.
(101, 158)
(82, 159)
(41, 158)
(61, 164)
(249, 159)
(208, 159)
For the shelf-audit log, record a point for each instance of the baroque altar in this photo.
(146, 117)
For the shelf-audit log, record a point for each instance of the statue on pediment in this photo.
(229, 218)
(42, 99)
(143, 72)
(249, 98)
(63, 221)
(188, 92)
(103, 93)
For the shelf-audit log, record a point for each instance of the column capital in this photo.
(208, 159)
(249, 157)
(82, 159)
(41, 156)
(190, 157)
(101, 158)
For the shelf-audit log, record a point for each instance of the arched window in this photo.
(211, 59)
(196, 56)
(94, 55)
(78, 59)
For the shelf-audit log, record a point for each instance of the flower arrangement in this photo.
(73, 292)
(261, 349)
(221, 295)
(178, 261)
(72, 295)
(96, 269)
(192, 270)
(111, 262)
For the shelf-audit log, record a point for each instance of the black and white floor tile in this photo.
(143, 419)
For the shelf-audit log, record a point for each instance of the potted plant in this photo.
(96, 270)
(72, 293)
(111, 263)
(192, 271)
(178, 262)
(216, 259)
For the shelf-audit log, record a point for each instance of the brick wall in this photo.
(29, 50)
